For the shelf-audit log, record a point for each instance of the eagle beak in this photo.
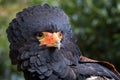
(58, 44)
(50, 39)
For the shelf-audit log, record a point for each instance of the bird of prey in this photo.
(43, 47)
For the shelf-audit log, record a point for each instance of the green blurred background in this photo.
(96, 23)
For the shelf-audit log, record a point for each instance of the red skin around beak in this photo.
(50, 39)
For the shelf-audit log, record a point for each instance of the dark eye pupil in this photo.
(39, 34)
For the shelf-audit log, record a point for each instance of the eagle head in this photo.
(41, 35)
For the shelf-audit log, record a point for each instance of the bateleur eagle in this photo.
(43, 46)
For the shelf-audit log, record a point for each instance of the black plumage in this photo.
(49, 63)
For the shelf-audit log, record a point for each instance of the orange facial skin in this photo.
(50, 39)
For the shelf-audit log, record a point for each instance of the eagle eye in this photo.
(39, 34)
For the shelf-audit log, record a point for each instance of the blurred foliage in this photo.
(96, 24)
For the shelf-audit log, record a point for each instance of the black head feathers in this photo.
(42, 16)
(22, 29)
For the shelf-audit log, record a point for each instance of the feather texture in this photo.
(45, 63)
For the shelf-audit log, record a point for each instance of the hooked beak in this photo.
(50, 39)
